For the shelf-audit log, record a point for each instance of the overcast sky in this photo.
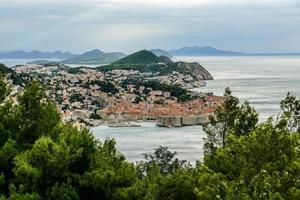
(129, 25)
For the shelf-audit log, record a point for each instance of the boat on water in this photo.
(121, 125)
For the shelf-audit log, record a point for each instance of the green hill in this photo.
(147, 61)
(143, 61)
(143, 57)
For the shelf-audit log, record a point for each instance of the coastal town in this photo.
(91, 97)
(139, 87)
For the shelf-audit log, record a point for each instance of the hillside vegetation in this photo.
(148, 62)
(4, 70)
(10, 74)
(143, 57)
(144, 61)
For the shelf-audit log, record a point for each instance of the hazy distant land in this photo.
(98, 57)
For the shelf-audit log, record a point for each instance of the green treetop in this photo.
(43, 158)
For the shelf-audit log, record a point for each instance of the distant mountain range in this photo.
(202, 51)
(95, 57)
(36, 55)
(161, 52)
(91, 57)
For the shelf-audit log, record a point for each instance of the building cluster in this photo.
(182, 80)
(86, 95)
(127, 111)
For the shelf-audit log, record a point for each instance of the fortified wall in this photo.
(178, 121)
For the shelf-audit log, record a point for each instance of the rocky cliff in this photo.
(196, 69)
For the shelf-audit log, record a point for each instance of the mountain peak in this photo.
(140, 57)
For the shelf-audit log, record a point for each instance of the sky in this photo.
(253, 26)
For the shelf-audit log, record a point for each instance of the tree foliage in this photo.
(4, 89)
(290, 115)
(43, 158)
(229, 118)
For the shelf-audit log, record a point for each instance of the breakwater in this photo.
(179, 121)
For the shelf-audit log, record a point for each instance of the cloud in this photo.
(79, 25)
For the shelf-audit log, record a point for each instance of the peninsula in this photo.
(141, 86)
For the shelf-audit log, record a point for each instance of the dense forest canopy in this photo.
(43, 158)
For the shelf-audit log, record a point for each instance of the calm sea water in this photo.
(134, 142)
(263, 81)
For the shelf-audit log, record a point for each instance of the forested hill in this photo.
(43, 158)
(143, 57)
(148, 62)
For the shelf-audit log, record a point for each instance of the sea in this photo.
(262, 81)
